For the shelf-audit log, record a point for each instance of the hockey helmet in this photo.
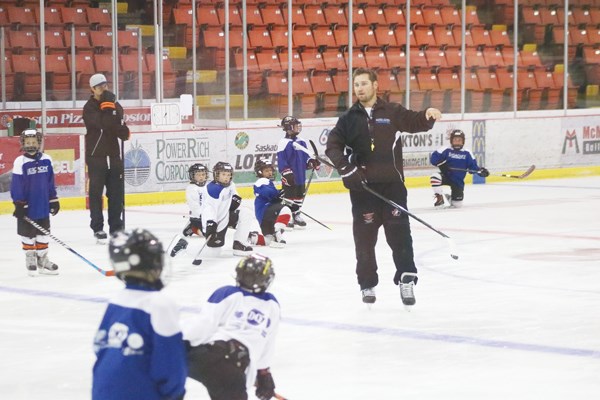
(137, 257)
(457, 133)
(291, 125)
(198, 168)
(223, 173)
(27, 144)
(254, 273)
(260, 165)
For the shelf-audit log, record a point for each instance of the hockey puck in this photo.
(197, 262)
(454, 256)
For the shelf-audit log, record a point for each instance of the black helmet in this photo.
(261, 164)
(197, 168)
(254, 273)
(219, 167)
(137, 257)
(289, 123)
(460, 134)
(31, 133)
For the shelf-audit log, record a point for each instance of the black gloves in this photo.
(287, 178)
(484, 173)
(353, 177)
(211, 228)
(443, 167)
(20, 209)
(235, 202)
(107, 100)
(54, 206)
(196, 223)
(265, 386)
(313, 163)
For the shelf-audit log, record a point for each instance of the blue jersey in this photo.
(139, 348)
(33, 183)
(265, 193)
(290, 158)
(461, 159)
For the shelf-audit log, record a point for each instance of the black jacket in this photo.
(375, 141)
(103, 128)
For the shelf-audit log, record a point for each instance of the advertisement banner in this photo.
(67, 163)
(580, 141)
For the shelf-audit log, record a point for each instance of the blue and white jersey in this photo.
(139, 348)
(462, 159)
(290, 158)
(233, 313)
(216, 207)
(265, 193)
(195, 197)
(33, 182)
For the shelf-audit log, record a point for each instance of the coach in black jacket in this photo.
(103, 117)
(370, 130)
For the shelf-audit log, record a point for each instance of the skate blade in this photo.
(101, 241)
(47, 273)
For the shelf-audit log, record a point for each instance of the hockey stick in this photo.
(522, 176)
(310, 178)
(104, 272)
(453, 252)
(318, 157)
(197, 259)
(289, 202)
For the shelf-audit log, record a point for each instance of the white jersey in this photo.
(216, 206)
(195, 196)
(233, 313)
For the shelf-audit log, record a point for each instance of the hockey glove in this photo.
(211, 228)
(313, 163)
(484, 173)
(265, 386)
(107, 100)
(353, 177)
(443, 167)
(20, 209)
(196, 223)
(54, 206)
(235, 202)
(287, 178)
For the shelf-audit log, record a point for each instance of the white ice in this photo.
(516, 317)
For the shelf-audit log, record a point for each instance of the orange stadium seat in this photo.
(450, 15)
(394, 15)
(364, 36)
(21, 16)
(58, 77)
(271, 14)
(206, 14)
(82, 40)
(74, 16)
(432, 16)
(84, 65)
(374, 15)
(302, 36)
(99, 18)
(28, 82)
(335, 14)
(314, 15)
(55, 41)
(23, 42)
(52, 17)
(324, 36)
(385, 36)
(311, 60)
(443, 36)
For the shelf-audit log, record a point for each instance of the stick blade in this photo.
(109, 272)
(528, 172)
(453, 249)
(197, 261)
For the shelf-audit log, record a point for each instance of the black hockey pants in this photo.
(369, 213)
(102, 172)
(221, 367)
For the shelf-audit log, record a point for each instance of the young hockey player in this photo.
(453, 163)
(272, 215)
(292, 165)
(34, 195)
(194, 196)
(232, 337)
(140, 354)
(222, 209)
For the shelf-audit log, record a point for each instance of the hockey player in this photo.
(453, 163)
(140, 354)
(232, 337)
(34, 195)
(272, 215)
(292, 165)
(222, 210)
(195, 194)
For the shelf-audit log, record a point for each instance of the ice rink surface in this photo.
(516, 317)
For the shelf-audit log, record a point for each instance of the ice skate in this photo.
(101, 237)
(256, 239)
(31, 262)
(276, 240)
(181, 244)
(240, 249)
(407, 288)
(368, 295)
(45, 266)
(188, 230)
(299, 222)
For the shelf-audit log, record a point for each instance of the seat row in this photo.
(23, 71)
(18, 17)
(327, 14)
(59, 41)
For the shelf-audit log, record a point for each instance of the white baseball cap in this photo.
(97, 79)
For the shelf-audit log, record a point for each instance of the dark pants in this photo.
(105, 172)
(369, 213)
(221, 367)
(457, 192)
(24, 228)
(267, 226)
